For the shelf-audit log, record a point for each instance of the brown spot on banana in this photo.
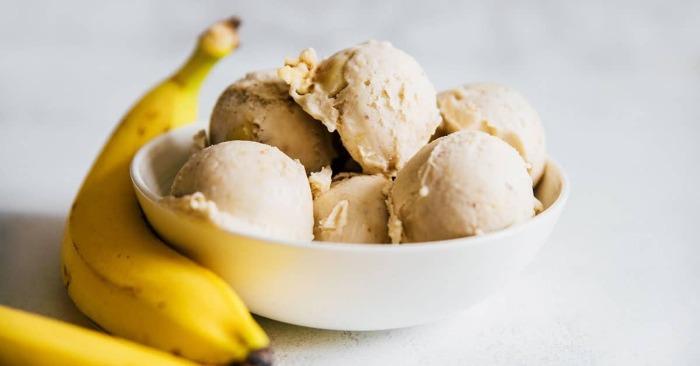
(133, 291)
(66, 277)
(152, 114)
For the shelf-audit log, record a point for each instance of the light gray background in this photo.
(617, 85)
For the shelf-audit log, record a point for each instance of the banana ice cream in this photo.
(498, 111)
(353, 210)
(377, 97)
(466, 183)
(465, 161)
(247, 187)
(259, 108)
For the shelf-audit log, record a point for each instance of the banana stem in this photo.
(192, 74)
(215, 43)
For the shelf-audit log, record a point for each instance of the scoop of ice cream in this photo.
(376, 96)
(463, 184)
(259, 108)
(246, 186)
(498, 111)
(353, 210)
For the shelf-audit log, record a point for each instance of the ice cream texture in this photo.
(353, 210)
(466, 183)
(377, 97)
(248, 187)
(359, 148)
(258, 108)
(499, 111)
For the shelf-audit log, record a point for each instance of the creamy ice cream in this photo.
(498, 111)
(463, 184)
(259, 108)
(248, 187)
(353, 210)
(377, 97)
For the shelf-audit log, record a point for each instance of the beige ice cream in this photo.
(463, 184)
(259, 108)
(498, 111)
(353, 210)
(248, 187)
(377, 97)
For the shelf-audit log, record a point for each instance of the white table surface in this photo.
(617, 85)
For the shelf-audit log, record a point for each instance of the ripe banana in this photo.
(120, 274)
(29, 339)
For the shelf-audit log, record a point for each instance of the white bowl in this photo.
(344, 286)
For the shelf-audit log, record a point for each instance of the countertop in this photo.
(617, 85)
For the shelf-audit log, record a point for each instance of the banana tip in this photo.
(222, 37)
(233, 22)
(261, 357)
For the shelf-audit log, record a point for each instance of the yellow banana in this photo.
(29, 339)
(120, 274)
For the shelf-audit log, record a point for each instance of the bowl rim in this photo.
(450, 244)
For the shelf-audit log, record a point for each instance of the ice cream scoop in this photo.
(463, 184)
(258, 108)
(499, 111)
(377, 97)
(353, 210)
(248, 187)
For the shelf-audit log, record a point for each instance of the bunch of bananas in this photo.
(122, 276)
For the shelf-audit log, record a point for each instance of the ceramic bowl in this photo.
(344, 286)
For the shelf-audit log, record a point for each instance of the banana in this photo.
(120, 274)
(29, 339)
